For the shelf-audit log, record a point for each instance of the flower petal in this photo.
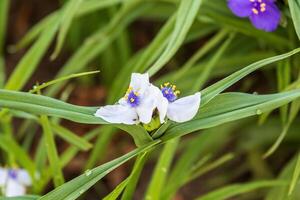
(3, 176)
(23, 177)
(241, 8)
(184, 109)
(139, 82)
(117, 114)
(267, 20)
(14, 188)
(162, 106)
(148, 104)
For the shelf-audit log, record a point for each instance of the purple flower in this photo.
(264, 14)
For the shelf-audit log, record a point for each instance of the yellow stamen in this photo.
(166, 84)
(263, 9)
(131, 100)
(255, 11)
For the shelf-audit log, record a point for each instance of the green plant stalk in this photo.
(56, 170)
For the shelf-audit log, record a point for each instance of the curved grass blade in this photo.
(47, 84)
(76, 187)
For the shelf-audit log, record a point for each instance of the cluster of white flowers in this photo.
(13, 182)
(142, 99)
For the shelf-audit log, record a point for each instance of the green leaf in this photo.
(31, 59)
(295, 12)
(42, 105)
(52, 153)
(158, 179)
(71, 137)
(117, 191)
(237, 189)
(67, 16)
(186, 14)
(295, 177)
(229, 107)
(134, 176)
(76, 187)
(211, 91)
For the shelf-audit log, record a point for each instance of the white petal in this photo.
(139, 82)
(162, 105)
(184, 109)
(23, 177)
(14, 188)
(3, 176)
(148, 104)
(117, 114)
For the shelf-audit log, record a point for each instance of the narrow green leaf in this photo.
(67, 17)
(47, 84)
(31, 59)
(52, 152)
(238, 189)
(295, 177)
(117, 191)
(186, 14)
(275, 146)
(161, 170)
(71, 137)
(134, 176)
(295, 12)
(211, 91)
(229, 107)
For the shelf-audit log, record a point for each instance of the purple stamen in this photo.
(133, 99)
(12, 174)
(169, 93)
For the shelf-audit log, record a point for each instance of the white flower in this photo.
(13, 182)
(138, 104)
(183, 109)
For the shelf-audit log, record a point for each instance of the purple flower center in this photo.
(133, 98)
(12, 174)
(169, 92)
(258, 6)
